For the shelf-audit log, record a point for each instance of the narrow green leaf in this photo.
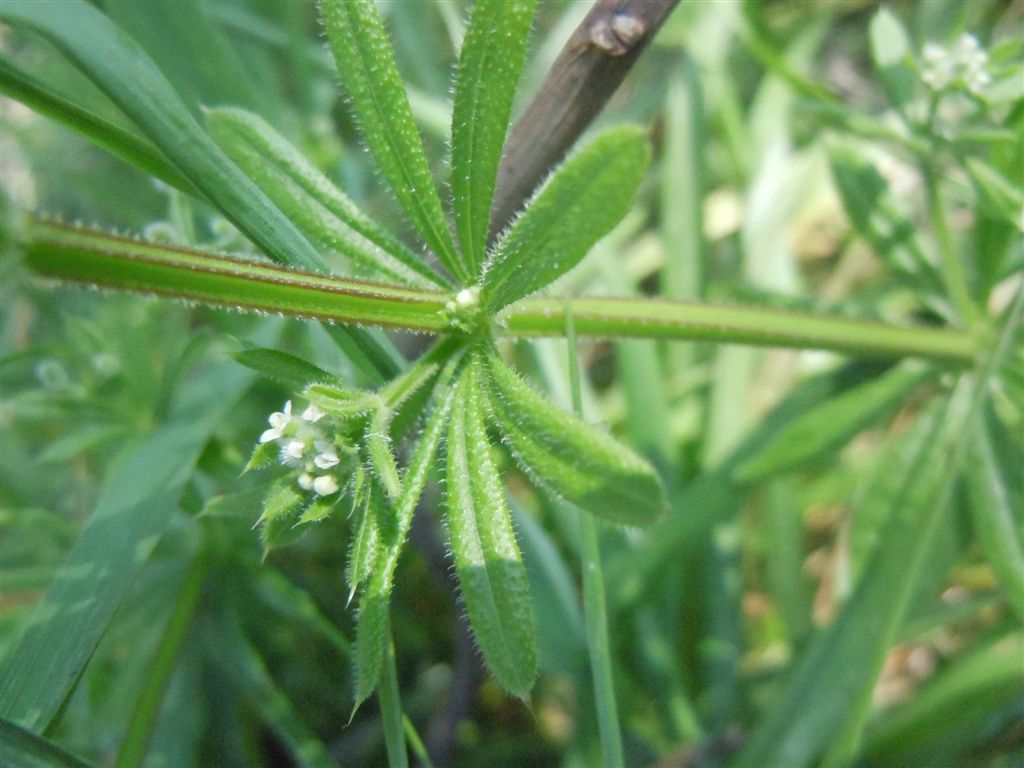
(294, 372)
(123, 70)
(490, 62)
(96, 258)
(995, 524)
(135, 505)
(569, 457)
(966, 696)
(294, 604)
(487, 560)
(366, 504)
(262, 455)
(829, 690)
(340, 402)
(579, 203)
(308, 198)
(998, 195)
(371, 635)
(150, 696)
(20, 748)
(367, 68)
(128, 146)
(890, 48)
(868, 203)
(832, 424)
(245, 668)
(320, 509)
(281, 500)
(382, 458)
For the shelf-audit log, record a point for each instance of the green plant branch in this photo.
(657, 319)
(100, 259)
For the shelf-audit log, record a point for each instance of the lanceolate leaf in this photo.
(366, 505)
(579, 204)
(371, 635)
(367, 67)
(309, 199)
(489, 65)
(491, 574)
(833, 423)
(97, 258)
(126, 74)
(295, 373)
(586, 466)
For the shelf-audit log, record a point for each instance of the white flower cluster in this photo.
(965, 63)
(304, 446)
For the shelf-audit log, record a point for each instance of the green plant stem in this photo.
(952, 265)
(391, 708)
(595, 611)
(97, 258)
(147, 703)
(657, 319)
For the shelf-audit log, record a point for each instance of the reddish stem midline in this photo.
(98, 258)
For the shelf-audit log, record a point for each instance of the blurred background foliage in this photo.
(781, 177)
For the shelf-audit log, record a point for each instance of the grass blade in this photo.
(994, 520)
(136, 503)
(247, 671)
(317, 207)
(367, 67)
(489, 67)
(131, 148)
(579, 204)
(835, 676)
(121, 68)
(966, 697)
(571, 458)
(832, 424)
(492, 578)
(23, 749)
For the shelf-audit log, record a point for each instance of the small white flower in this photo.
(312, 414)
(325, 485)
(294, 449)
(933, 53)
(278, 421)
(326, 459)
(306, 481)
(468, 297)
